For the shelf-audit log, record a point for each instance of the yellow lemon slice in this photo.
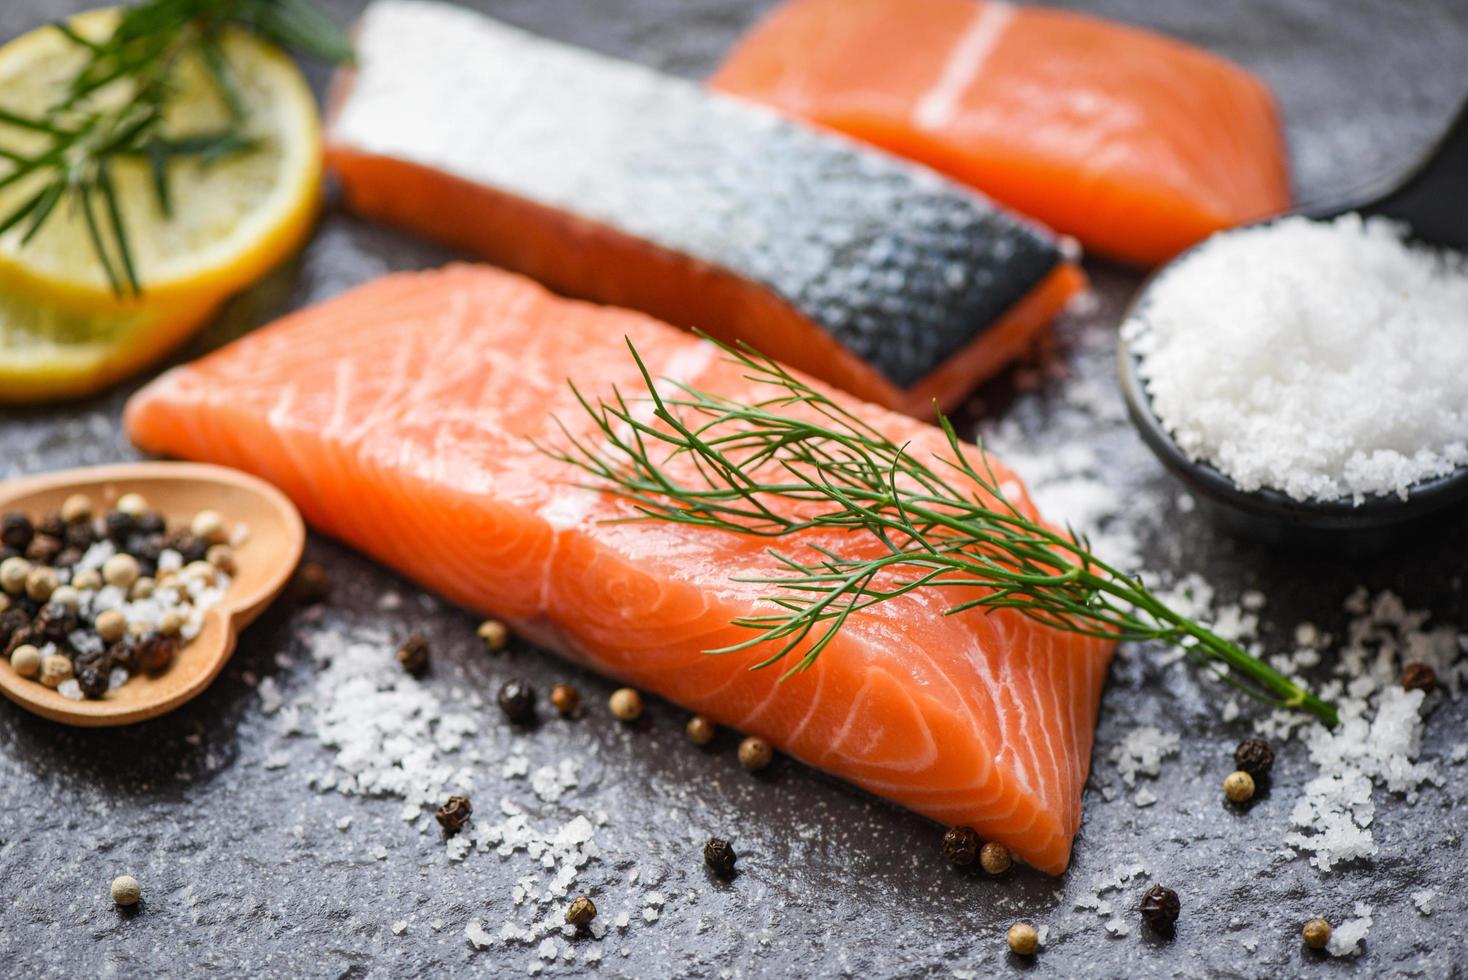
(49, 354)
(231, 219)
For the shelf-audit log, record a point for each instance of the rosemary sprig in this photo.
(797, 460)
(82, 143)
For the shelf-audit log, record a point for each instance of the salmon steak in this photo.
(403, 417)
(1137, 144)
(609, 181)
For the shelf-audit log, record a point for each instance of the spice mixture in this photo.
(89, 599)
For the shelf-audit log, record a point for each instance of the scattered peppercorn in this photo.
(1417, 676)
(150, 522)
(87, 580)
(25, 660)
(495, 634)
(209, 526)
(51, 525)
(1160, 908)
(413, 654)
(126, 890)
(120, 527)
(122, 654)
(143, 588)
(26, 633)
(134, 505)
(701, 731)
(720, 857)
(13, 573)
(994, 858)
(154, 652)
(79, 537)
(16, 531)
(55, 670)
(1316, 933)
(221, 556)
(452, 814)
(111, 625)
(12, 619)
(67, 595)
(121, 570)
(93, 680)
(581, 912)
(565, 699)
(1239, 787)
(190, 547)
(77, 507)
(626, 704)
(56, 621)
(961, 846)
(1255, 757)
(171, 623)
(755, 754)
(1023, 939)
(311, 585)
(41, 582)
(44, 550)
(517, 701)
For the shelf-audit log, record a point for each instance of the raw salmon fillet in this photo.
(609, 181)
(399, 417)
(1137, 144)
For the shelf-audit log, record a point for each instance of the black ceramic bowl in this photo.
(1332, 529)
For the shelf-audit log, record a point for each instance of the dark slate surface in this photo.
(244, 868)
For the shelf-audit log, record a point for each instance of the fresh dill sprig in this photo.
(798, 460)
(144, 50)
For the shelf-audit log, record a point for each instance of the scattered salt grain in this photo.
(399, 927)
(1423, 900)
(1141, 752)
(1339, 372)
(344, 823)
(1345, 939)
(478, 938)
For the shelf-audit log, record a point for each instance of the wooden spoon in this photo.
(266, 558)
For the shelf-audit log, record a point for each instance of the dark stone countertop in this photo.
(249, 870)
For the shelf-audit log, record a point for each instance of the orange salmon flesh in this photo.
(399, 418)
(1137, 144)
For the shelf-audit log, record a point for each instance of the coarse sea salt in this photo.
(1327, 360)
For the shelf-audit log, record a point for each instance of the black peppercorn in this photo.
(311, 584)
(961, 845)
(123, 654)
(1417, 676)
(92, 679)
(154, 652)
(150, 522)
(69, 556)
(43, 549)
(1254, 756)
(52, 525)
(413, 654)
(120, 526)
(720, 857)
(451, 815)
(21, 636)
(517, 701)
(190, 546)
(11, 620)
(80, 535)
(16, 531)
(56, 621)
(1160, 908)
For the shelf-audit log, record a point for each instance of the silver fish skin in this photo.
(903, 267)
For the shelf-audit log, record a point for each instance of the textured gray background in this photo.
(245, 871)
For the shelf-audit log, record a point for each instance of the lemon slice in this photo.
(231, 219)
(48, 353)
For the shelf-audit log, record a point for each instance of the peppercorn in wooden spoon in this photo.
(260, 562)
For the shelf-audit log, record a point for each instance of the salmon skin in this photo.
(400, 418)
(609, 181)
(1136, 143)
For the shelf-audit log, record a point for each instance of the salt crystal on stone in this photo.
(1142, 750)
(1345, 939)
(399, 926)
(478, 938)
(343, 823)
(1339, 371)
(1423, 900)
